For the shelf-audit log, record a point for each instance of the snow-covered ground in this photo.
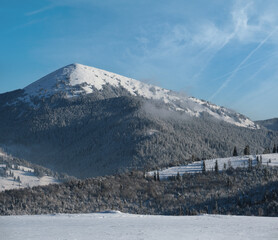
(240, 161)
(127, 226)
(26, 176)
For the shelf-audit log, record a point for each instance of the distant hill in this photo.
(271, 124)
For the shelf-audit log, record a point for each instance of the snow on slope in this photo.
(27, 179)
(127, 226)
(196, 167)
(76, 79)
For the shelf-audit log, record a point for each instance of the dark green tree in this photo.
(235, 152)
(204, 167)
(246, 150)
(178, 176)
(216, 168)
(250, 163)
(274, 149)
(258, 161)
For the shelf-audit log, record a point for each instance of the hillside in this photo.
(223, 164)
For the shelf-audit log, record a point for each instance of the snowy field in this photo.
(126, 226)
(240, 161)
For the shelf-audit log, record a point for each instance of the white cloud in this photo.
(253, 21)
(246, 24)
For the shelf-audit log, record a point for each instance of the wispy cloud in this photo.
(251, 78)
(253, 21)
(203, 41)
(192, 48)
(27, 24)
(228, 80)
(40, 10)
(262, 59)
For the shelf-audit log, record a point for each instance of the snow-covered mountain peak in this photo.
(77, 79)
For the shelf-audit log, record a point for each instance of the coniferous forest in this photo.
(235, 191)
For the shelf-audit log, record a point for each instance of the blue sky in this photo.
(222, 51)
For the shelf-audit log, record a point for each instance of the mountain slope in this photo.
(100, 126)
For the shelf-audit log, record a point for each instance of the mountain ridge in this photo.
(271, 124)
(78, 80)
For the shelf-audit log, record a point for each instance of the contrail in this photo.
(242, 63)
(246, 66)
(250, 78)
(40, 10)
(212, 55)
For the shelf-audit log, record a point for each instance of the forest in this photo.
(250, 191)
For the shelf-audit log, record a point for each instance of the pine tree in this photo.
(246, 150)
(274, 149)
(157, 176)
(258, 161)
(178, 176)
(204, 167)
(235, 152)
(250, 164)
(216, 168)
(215, 207)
